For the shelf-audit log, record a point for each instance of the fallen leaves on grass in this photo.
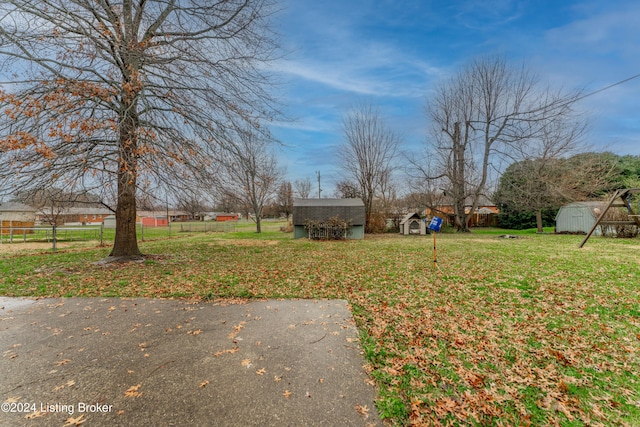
(501, 326)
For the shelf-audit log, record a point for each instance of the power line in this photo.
(608, 87)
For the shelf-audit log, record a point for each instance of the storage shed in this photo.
(579, 217)
(413, 224)
(350, 210)
(110, 222)
(16, 215)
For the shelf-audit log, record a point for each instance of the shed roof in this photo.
(590, 203)
(594, 207)
(16, 207)
(408, 216)
(328, 202)
(324, 209)
(82, 210)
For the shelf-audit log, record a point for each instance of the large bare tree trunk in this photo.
(459, 180)
(539, 221)
(126, 243)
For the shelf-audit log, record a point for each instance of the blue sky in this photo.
(391, 53)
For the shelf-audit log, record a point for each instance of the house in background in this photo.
(226, 216)
(179, 216)
(86, 216)
(72, 215)
(485, 214)
(350, 210)
(16, 215)
(152, 218)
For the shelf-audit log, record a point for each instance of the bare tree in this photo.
(486, 114)
(192, 204)
(303, 187)
(347, 190)
(121, 95)
(284, 199)
(227, 203)
(368, 154)
(250, 173)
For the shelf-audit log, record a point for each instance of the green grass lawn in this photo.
(525, 331)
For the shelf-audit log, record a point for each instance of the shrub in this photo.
(376, 223)
(332, 229)
(523, 220)
(620, 230)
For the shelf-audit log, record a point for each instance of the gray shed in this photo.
(324, 209)
(579, 217)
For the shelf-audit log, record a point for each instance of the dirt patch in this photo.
(112, 262)
(228, 242)
(9, 248)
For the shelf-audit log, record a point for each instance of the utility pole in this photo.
(319, 189)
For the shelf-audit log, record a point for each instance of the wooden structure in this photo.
(620, 199)
(413, 224)
(16, 216)
(349, 210)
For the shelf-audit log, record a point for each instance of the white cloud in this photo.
(613, 29)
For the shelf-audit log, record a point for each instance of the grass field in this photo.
(525, 331)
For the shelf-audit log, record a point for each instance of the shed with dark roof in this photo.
(349, 210)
